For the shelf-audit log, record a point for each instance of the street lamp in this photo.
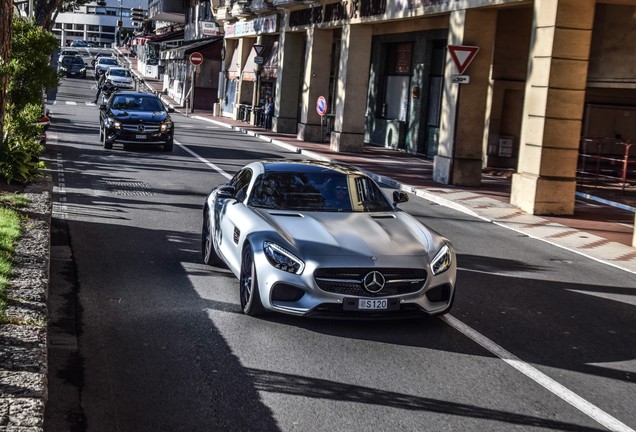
(120, 23)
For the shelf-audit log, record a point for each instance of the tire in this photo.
(248, 284)
(107, 144)
(167, 147)
(210, 257)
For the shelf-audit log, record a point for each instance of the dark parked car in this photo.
(135, 118)
(72, 66)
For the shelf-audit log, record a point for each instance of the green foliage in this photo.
(20, 148)
(30, 69)
(29, 72)
(9, 233)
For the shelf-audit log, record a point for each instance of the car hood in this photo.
(139, 116)
(351, 234)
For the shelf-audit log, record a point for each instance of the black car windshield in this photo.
(333, 192)
(136, 103)
(72, 60)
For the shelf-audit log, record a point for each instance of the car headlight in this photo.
(283, 259)
(82, 70)
(166, 126)
(63, 68)
(113, 123)
(442, 260)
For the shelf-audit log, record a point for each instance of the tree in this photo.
(46, 10)
(26, 73)
(31, 70)
(6, 16)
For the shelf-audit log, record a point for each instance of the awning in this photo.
(173, 35)
(233, 69)
(183, 51)
(270, 66)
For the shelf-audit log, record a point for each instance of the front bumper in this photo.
(302, 296)
(130, 136)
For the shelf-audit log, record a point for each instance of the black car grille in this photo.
(351, 281)
(147, 128)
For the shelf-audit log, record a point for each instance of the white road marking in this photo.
(539, 377)
(71, 103)
(205, 161)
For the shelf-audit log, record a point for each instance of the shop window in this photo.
(397, 80)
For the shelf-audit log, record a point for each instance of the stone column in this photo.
(352, 89)
(287, 94)
(464, 106)
(243, 92)
(553, 107)
(315, 82)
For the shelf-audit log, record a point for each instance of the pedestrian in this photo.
(269, 113)
(100, 84)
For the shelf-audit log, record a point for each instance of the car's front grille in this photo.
(147, 128)
(351, 281)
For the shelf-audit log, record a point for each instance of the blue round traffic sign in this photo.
(321, 105)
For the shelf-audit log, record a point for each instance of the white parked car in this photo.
(104, 63)
(120, 77)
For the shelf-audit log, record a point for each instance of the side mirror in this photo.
(400, 197)
(170, 109)
(225, 192)
(102, 107)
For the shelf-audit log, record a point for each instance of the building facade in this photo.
(546, 74)
(96, 22)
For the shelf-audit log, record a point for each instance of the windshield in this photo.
(107, 61)
(136, 103)
(119, 73)
(333, 192)
(72, 60)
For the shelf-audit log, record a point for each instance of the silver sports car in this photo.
(322, 239)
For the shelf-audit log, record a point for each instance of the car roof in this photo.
(309, 166)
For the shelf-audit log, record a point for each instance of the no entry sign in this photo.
(196, 58)
(321, 106)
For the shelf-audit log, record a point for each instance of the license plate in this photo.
(140, 136)
(373, 304)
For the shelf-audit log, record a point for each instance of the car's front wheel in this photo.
(250, 297)
(167, 147)
(210, 256)
(107, 143)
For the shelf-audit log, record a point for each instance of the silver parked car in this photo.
(322, 239)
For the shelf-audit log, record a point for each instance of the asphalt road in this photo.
(538, 339)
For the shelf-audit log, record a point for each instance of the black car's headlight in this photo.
(166, 126)
(63, 68)
(112, 123)
(283, 259)
(442, 260)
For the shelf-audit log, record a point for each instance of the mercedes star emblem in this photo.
(141, 128)
(374, 282)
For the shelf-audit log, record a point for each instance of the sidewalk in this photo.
(601, 228)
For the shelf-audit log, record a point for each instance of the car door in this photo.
(230, 213)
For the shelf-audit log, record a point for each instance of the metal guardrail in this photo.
(607, 160)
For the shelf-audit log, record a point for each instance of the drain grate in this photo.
(128, 188)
